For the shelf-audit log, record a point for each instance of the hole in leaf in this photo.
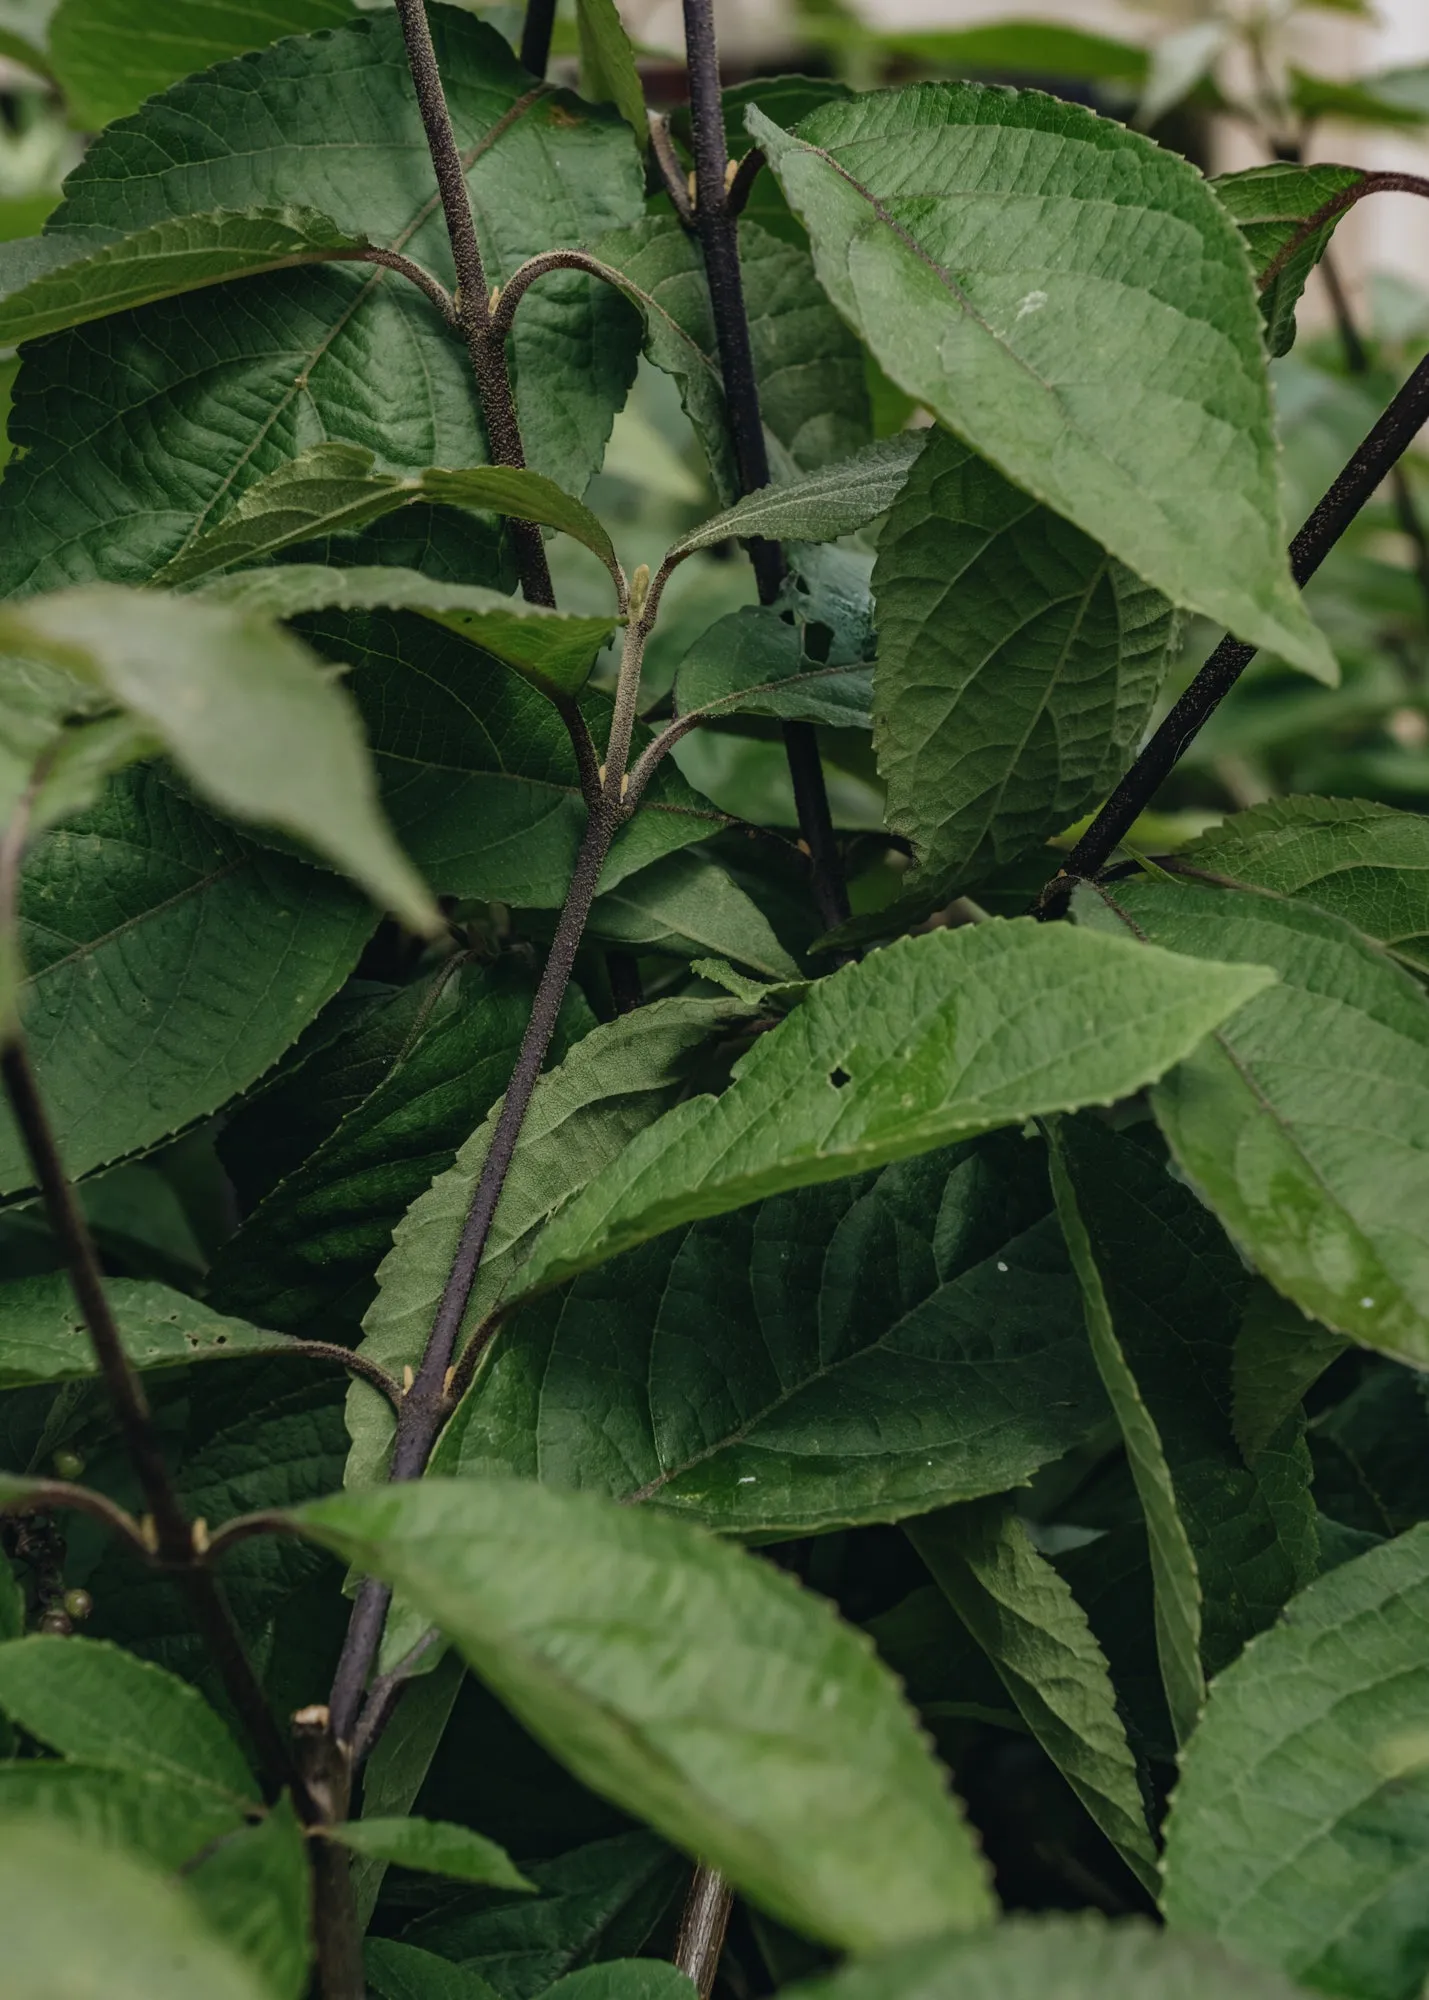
(818, 640)
(839, 1077)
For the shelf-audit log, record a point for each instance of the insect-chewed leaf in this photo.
(707, 1692)
(43, 1336)
(750, 662)
(989, 246)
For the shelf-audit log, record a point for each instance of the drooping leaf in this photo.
(992, 272)
(940, 1037)
(244, 710)
(99, 1704)
(1272, 204)
(305, 1258)
(583, 1113)
(1299, 1120)
(477, 772)
(435, 1846)
(1017, 665)
(551, 649)
(255, 1891)
(1075, 1958)
(812, 395)
(687, 904)
(597, 1901)
(238, 380)
(1296, 1833)
(146, 895)
(1165, 1296)
(1359, 860)
(43, 1336)
(96, 1926)
(750, 662)
(709, 1694)
(333, 488)
(398, 1971)
(48, 283)
(607, 72)
(107, 62)
(1037, 1637)
(855, 1352)
(819, 507)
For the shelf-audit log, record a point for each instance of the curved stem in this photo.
(355, 1363)
(46, 1495)
(525, 275)
(245, 1528)
(1376, 457)
(672, 171)
(407, 267)
(745, 175)
(1385, 183)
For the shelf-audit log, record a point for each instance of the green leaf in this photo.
(1279, 1354)
(836, 500)
(937, 1038)
(48, 283)
(1017, 666)
(1114, 370)
(582, 1115)
(553, 650)
(434, 1846)
(789, 1761)
(1034, 49)
(305, 1258)
(255, 1890)
(405, 1972)
(477, 772)
(687, 905)
(93, 1701)
(107, 62)
(334, 488)
(1300, 1120)
(598, 1901)
(246, 713)
(1364, 862)
(624, 1979)
(1036, 1635)
(750, 662)
(43, 1336)
(812, 395)
(1392, 98)
(239, 380)
(148, 895)
(1296, 1832)
(1032, 1958)
(1271, 205)
(96, 1926)
(1165, 1296)
(145, 1814)
(856, 1352)
(607, 73)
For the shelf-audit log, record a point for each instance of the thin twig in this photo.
(384, 1694)
(1336, 206)
(703, 1923)
(355, 1363)
(1380, 452)
(488, 354)
(717, 228)
(536, 35)
(672, 171)
(745, 175)
(45, 1496)
(409, 268)
(525, 275)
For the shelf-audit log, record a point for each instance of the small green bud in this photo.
(69, 1464)
(78, 1604)
(56, 1624)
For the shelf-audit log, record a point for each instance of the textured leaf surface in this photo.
(937, 1038)
(1271, 205)
(334, 488)
(141, 1813)
(694, 1685)
(1071, 1958)
(246, 713)
(812, 394)
(100, 1704)
(1075, 304)
(583, 1113)
(48, 283)
(688, 905)
(1036, 1635)
(1017, 665)
(837, 500)
(552, 649)
(255, 1890)
(107, 63)
(854, 1352)
(751, 663)
(1296, 1835)
(240, 380)
(1175, 1293)
(1301, 1120)
(1361, 861)
(435, 1846)
(147, 896)
(398, 1971)
(43, 1336)
(625, 1979)
(95, 1926)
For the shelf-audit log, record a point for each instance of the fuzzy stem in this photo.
(717, 227)
(1371, 464)
(487, 352)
